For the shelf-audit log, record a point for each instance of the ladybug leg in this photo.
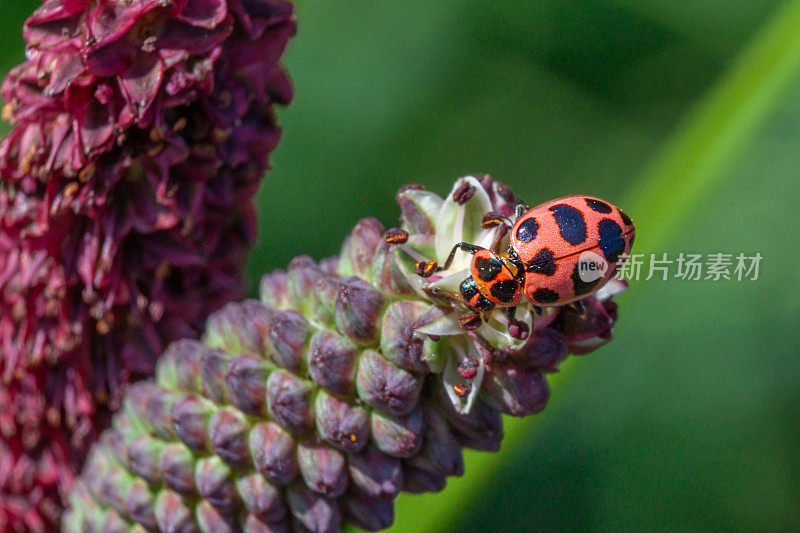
(578, 306)
(538, 310)
(492, 219)
(428, 268)
(519, 211)
(513, 257)
(470, 320)
(516, 328)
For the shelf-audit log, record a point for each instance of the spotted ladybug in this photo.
(549, 244)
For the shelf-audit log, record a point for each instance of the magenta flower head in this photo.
(350, 381)
(141, 130)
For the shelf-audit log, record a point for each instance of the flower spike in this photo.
(141, 130)
(317, 405)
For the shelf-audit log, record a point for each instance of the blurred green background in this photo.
(687, 115)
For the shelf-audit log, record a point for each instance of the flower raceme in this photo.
(141, 130)
(349, 381)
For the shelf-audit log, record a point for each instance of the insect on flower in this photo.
(558, 253)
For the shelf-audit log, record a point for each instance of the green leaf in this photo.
(690, 165)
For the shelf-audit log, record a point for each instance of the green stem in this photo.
(692, 162)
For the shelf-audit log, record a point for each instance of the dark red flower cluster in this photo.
(141, 130)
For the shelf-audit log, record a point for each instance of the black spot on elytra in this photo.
(545, 296)
(625, 218)
(542, 263)
(611, 242)
(473, 297)
(482, 303)
(578, 285)
(504, 290)
(488, 268)
(468, 288)
(597, 205)
(526, 231)
(570, 222)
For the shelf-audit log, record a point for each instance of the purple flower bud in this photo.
(359, 248)
(370, 514)
(116, 485)
(177, 469)
(358, 309)
(332, 362)
(480, 429)
(544, 350)
(325, 292)
(384, 386)
(227, 434)
(418, 481)
(118, 443)
(114, 523)
(399, 342)
(273, 290)
(214, 482)
(517, 390)
(213, 520)
(289, 402)
(387, 275)
(287, 339)
(376, 474)
(190, 417)
(247, 384)
(159, 413)
(252, 524)
(172, 513)
(341, 424)
(312, 510)
(140, 505)
(322, 467)
(587, 331)
(239, 328)
(143, 454)
(330, 265)
(261, 498)
(213, 369)
(302, 276)
(397, 436)
(98, 465)
(441, 451)
(418, 209)
(135, 406)
(179, 366)
(273, 452)
(224, 330)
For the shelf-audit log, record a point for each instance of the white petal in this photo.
(427, 202)
(450, 378)
(495, 331)
(611, 290)
(440, 324)
(456, 223)
(450, 282)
